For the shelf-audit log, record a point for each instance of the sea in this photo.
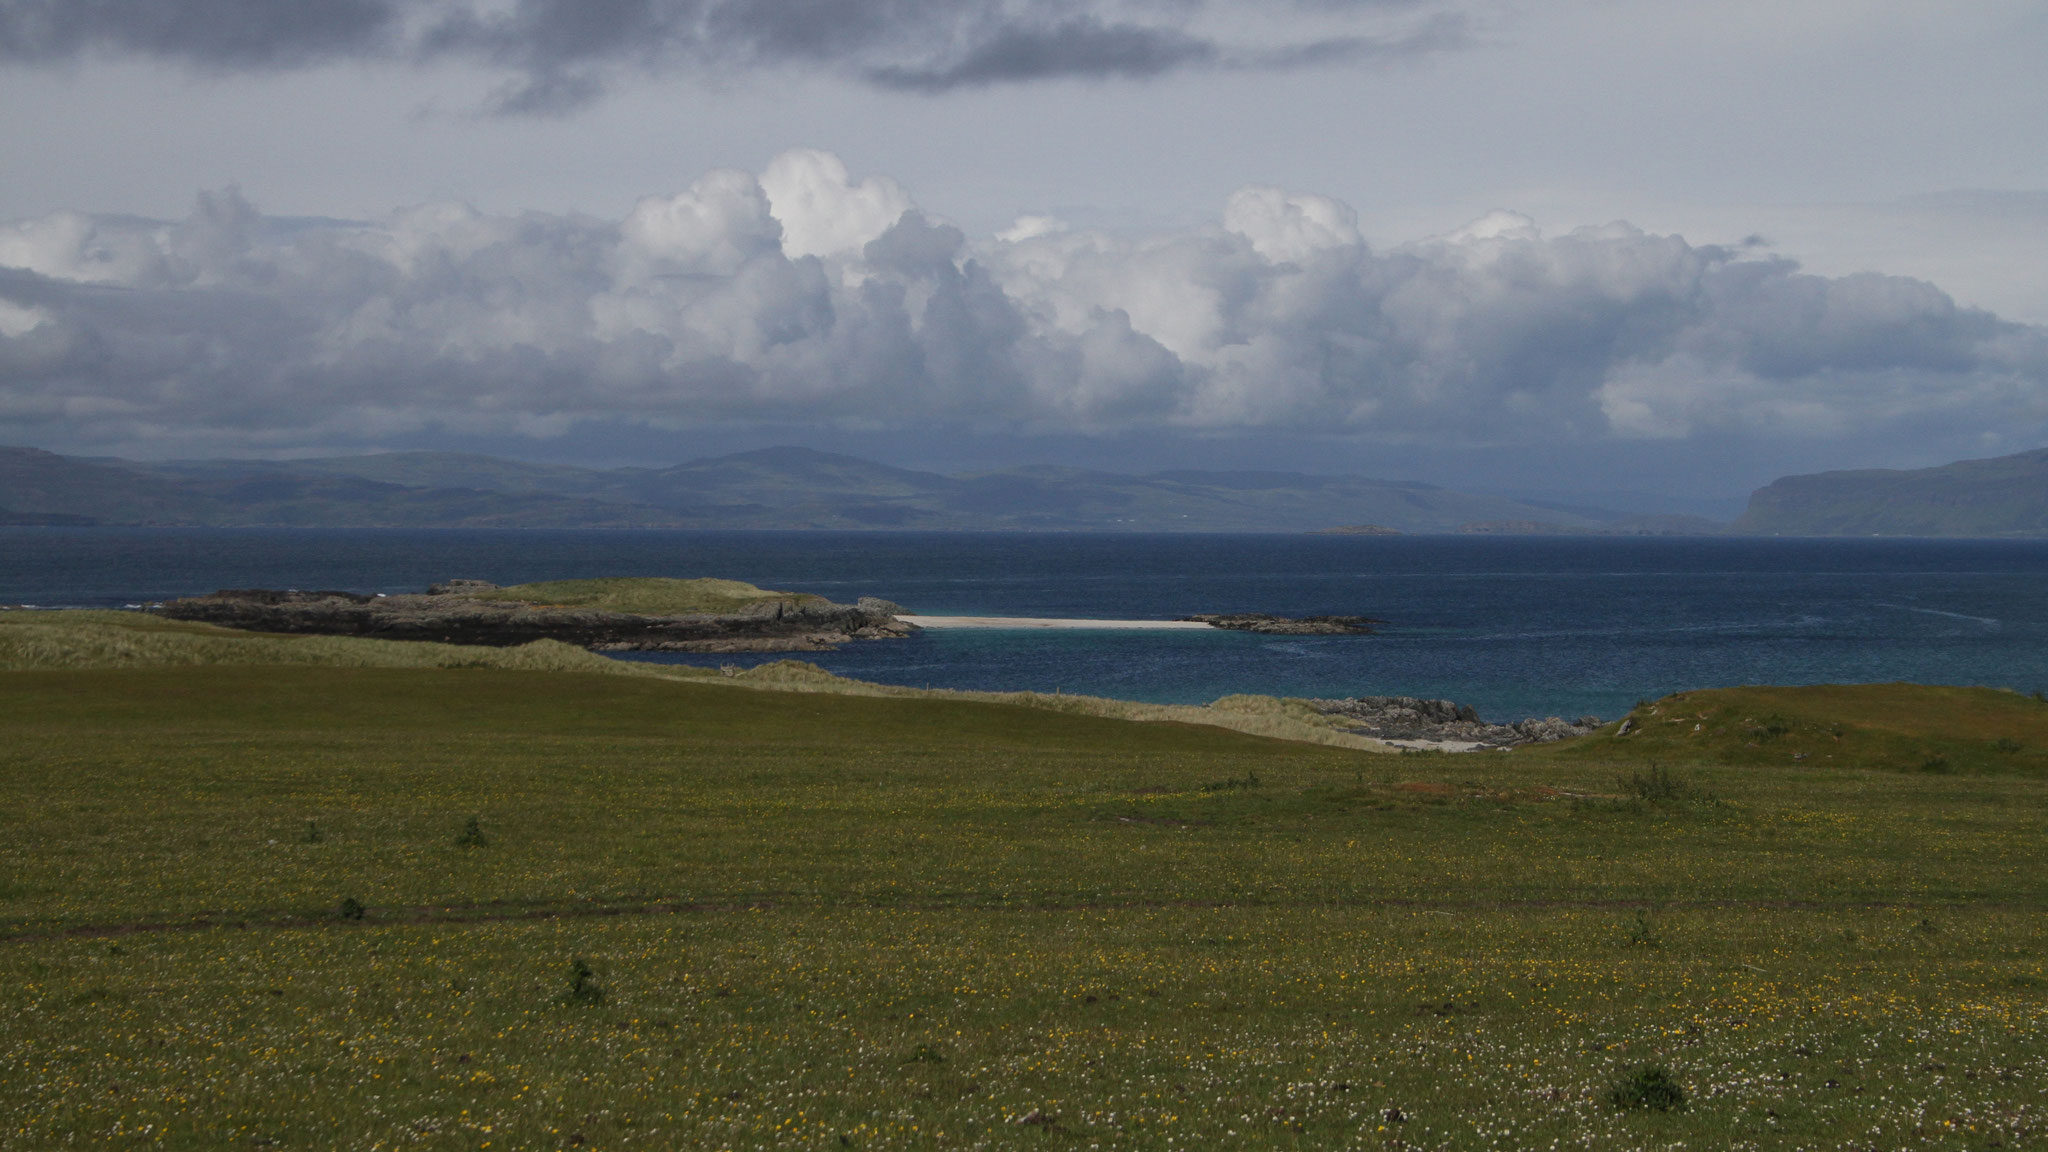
(1513, 626)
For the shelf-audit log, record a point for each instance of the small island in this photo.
(1357, 530)
(1270, 625)
(624, 614)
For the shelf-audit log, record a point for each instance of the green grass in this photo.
(647, 595)
(77, 640)
(823, 920)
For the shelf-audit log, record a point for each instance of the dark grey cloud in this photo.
(215, 33)
(804, 298)
(1083, 47)
(561, 53)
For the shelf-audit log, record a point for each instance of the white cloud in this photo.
(822, 211)
(806, 297)
(16, 320)
(1284, 226)
(723, 221)
(1030, 228)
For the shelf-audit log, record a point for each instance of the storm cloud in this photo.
(801, 295)
(562, 53)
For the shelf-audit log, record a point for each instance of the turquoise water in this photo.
(1513, 626)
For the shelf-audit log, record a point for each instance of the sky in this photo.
(1651, 254)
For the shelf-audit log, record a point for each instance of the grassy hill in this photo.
(2004, 496)
(255, 904)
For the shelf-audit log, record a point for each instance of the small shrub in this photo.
(1656, 786)
(583, 986)
(1643, 934)
(1649, 1086)
(350, 908)
(472, 835)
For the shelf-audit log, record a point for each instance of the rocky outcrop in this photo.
(451, 613)
(1407, 719)
(1288, 625)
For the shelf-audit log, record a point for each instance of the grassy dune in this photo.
(1902, 727)
(243, 907)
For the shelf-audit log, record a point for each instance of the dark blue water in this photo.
(1513, 626)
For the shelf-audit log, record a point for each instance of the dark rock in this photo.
(1288, 625)
(1411, 718)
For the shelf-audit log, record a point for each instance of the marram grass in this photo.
(87, 639)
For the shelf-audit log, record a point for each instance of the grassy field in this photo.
(303, 905)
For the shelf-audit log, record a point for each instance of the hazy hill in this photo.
(2003, 496)
(36, 485)
(769, 488)
(802, 488)
(42, 487)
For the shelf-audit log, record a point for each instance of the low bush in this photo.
(1649, 1086)
(583, 986)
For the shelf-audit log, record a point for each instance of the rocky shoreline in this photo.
(451, 613)
(1412, 722)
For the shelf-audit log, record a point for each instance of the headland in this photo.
(610, 615)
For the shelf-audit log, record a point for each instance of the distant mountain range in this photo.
(2003, 496)
(770, 488)
(801, 488)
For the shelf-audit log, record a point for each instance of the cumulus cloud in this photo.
(808, 295)
(561, 52)
(823, 212)
(1283, 227)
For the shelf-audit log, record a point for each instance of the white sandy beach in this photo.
(1049, 622)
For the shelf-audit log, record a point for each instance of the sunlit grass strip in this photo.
(1268, 716)
(645, 595)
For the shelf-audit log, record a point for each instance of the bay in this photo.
(1515, 626)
